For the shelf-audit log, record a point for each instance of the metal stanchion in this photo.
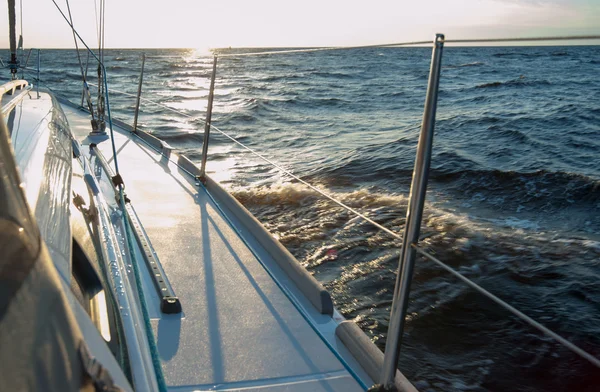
(139, 94)
(87, 62)
(211, 96)
(38, 75)
(413, 221)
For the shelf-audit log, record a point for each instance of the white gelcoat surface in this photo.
(238, 330)
(42, 149)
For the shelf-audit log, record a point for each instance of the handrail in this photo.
(12, 86)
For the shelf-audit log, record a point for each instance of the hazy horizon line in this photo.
(320, 47)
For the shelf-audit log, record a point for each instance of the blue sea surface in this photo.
(513, 201)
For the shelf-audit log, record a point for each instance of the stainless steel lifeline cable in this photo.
(523, 39)
(329, 48)
(510, 308)
(577, 350)
(280, 168)
(413, 43)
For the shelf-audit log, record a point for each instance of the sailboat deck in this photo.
(238, 330)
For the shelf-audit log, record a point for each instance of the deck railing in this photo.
(9, 89)
(410, 247)
(418, 189)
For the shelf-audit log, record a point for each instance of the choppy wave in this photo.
(520, 81)
(472, 64)
(541, 190)
(352, 259)
(333, 75)
(513, 202)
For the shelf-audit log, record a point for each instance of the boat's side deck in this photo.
(238, 329)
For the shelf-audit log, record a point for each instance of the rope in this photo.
(595, 361)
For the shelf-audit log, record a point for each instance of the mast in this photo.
(13, 63)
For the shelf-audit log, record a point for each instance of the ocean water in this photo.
(513, 201)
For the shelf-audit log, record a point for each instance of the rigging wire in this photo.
(20, 44)
(102, 26)
(85, 85)
(281, 169)
(148, 329)
(101, 65)
(289, 173)
(96, 20)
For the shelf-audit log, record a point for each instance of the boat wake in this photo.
(357, 263)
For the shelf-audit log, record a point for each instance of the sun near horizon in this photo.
(271, 23)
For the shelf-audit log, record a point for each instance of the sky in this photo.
(287, 23)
